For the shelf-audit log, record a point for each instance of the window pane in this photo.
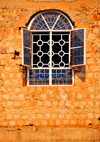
(77, 47)
(62, 77)
(62, 23)
(77, 38)
(38, 77)
(26, 47)
(38, 24)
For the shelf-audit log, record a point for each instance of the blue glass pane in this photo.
(39, 77)
(50, 18)
(38, 24)
(27, 56)
(78, 56)
(26, 38)
(62, 23)
(77, 38)
(27, 47)
(62, 77)
(77, 47)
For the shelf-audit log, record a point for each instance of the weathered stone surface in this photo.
(48, 134)
(58, 114)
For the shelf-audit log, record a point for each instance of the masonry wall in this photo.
(48, 113)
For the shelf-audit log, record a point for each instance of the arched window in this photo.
(50, 20)
(51, 48)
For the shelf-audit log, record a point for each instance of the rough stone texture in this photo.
(36, 134)
(49, 113)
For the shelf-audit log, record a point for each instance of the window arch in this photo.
(51, 47)
(50, 20)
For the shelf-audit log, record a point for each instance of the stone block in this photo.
(39, 115)
(9, 116)
(16, 116)
(66, 122)
(5, 123)
(73, 122)
(20, 122)
(54, 115)
(43, 96)
(44, 122)
(12, 123)
(58, 122)
(6, 96)
(61, 116)
(40, 103)
(24, 116)
(88, 122)
(21, 96)
(90, 115)
(52, 122)
(47, 103)
(16, 104)
(9, 103)
(47, 115)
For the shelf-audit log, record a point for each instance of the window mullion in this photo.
(50, 71)
(45, 22)
(32, 52)
(69, 49)
(55, 22)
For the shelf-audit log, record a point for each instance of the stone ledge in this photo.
(49, 134)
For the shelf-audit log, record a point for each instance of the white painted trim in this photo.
(32, 52)
(52, 68)
(80, 47)
(22, 47)
(69, 49)
(78, 65)
(49, 30)
(47, 85)
(55, 22)
(75, 47)
(84, 46)
(50, 71)
(45, 21)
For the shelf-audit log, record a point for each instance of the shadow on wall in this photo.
(80, 72)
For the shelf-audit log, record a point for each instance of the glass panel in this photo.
(62, 24)
(77, 38)
(38, 24)
(39, 77)
(62, 77)
(26, 56)
(26, 38)
(54, 19)
(26, 47)
(77, 56)
(77, 47)
(50, 18)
